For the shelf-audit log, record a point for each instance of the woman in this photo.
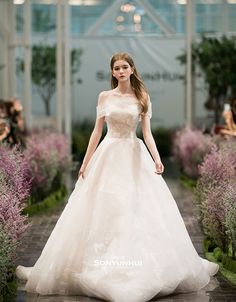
(121, 236)
(229, 115)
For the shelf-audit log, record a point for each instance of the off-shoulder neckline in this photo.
(115, 92)
(133, 102)
(129, 96)
(123, 94)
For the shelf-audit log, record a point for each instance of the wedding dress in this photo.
(120, 236)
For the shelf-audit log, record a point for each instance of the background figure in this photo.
(11, 122)
(230, 118)
(4, 125)
(4, 130)
(229, 115)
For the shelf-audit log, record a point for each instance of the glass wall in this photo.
(132, 17)
(89, 22)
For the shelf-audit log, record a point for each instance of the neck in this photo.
(125, 87)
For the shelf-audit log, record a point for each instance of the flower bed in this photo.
(15, 189)
(31, 180)
(49, 159)
(216, 197)
(189, 148)
(210, 162)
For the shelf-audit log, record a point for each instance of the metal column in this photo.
(27, 64)
(59, 79)
(67, 70)
(189, 39)
(11, 53)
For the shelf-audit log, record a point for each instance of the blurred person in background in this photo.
(229, 115)
(4, 130)
(12, 123)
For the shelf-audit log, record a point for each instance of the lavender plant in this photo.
(215, 194)
(230, 215)
(189, 148)
(14, 191)
(49, 159)
(7, 253)
(22, 174)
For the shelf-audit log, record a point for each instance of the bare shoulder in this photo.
(107, 92)
(103, 96)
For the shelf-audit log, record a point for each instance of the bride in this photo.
(120, 236)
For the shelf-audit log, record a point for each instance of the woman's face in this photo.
(122, 70)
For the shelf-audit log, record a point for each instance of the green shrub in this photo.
(47, 203)
(188, 182)
(230, 276)
(209, 245)
(7, 253)
(218, 254)
(229, 263)
(79, 144)
(9, 292)
(163, 140)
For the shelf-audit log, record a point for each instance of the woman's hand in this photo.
(81, 171)
(159, 167)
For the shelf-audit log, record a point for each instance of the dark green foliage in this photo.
(229, 264)
(230, 276)
(79, 144)
(80, 138)
(209, 245)
(8, 293)
(7, 254)
(216, 61)
(163, 140)
(49, 202)
(188, 182)
(218, 254)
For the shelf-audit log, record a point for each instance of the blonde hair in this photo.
(135, 80)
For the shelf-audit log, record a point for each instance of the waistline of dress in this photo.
(121, 138)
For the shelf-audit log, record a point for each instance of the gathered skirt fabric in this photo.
(120, 236)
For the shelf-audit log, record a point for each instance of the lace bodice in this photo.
(122, 113)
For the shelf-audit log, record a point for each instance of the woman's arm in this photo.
(228, 119)
(149, 141)
(93, 142)
(95, 136)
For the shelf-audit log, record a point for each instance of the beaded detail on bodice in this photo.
(122, 114)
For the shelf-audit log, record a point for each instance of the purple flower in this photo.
(215, 194)
(190, 147)
(48, 155)
(14, 190)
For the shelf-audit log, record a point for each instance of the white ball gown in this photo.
(120, 237)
